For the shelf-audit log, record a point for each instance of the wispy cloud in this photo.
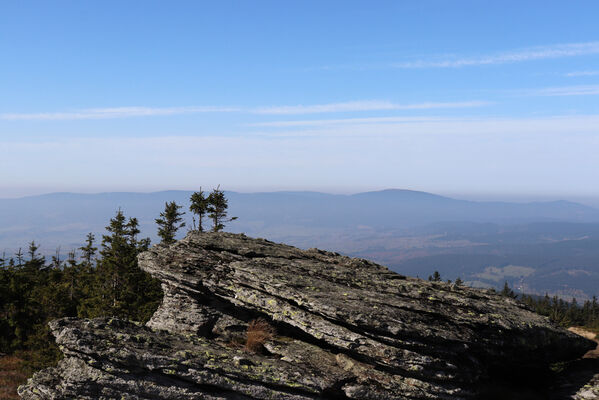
(527, 54)
(115, 112)
(581, 73)
(343, 121)
(434, 125)
(128, 112)
(355, 106)
(582, 90)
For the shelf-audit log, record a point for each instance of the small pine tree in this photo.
(217, 209)
(32, 251)
(199, 206)
(507, 292)
(436, 277)
(36, 261)
(169, 222)
(20, 258)
(120, 287)
(458, 281)
(56, 262)
(89, 251)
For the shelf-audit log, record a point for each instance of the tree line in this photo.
(94, 280)
(561, 312)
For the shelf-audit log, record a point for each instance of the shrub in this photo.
(259, 331)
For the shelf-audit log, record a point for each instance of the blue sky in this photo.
(476, 98)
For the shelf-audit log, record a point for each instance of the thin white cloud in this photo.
(342, 121)
(128, 112)
(581, 73)
(354, 106)
(528, 54)
(111, 113)
(582, 90)
(384, 127)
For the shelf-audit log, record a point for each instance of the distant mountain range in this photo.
(412, 232)
(64, 218)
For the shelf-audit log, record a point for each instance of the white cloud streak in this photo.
(443, 126)
(354, 106)
(528, 54)
(111, 113)
(583, 90)
(129, 112)
(343, 121)
(581, 73)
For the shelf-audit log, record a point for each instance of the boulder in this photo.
(345, 328)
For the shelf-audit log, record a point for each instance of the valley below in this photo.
(537, 248)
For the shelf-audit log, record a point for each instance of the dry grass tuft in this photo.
(259, 331)
(11, 376)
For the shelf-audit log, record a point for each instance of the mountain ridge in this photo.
(277, 215)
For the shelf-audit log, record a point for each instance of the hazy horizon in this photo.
(482, 197)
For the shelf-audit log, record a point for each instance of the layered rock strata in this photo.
(345, 329)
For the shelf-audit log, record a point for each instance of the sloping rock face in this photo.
(345, 329)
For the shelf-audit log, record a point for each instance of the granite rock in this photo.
(346, 328)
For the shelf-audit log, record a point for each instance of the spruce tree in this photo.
(169, 222)
(199, 206)
(19, 256)
(121, 288)
(217, 209)
(88, 251)
(117, 255)
(507, 292)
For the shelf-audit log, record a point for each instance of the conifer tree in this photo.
(121, 288)
(507, 292)
(36, 261)
(169, 222)
(199, 206)
(56, 258)
(19, 256)
(88, 251)
(116, 256)
(217, 209)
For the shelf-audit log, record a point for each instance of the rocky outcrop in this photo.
(345, 329)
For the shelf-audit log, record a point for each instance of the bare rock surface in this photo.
(345, 329)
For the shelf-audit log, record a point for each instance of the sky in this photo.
(481, 98)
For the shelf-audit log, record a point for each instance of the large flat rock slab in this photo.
(346, 328)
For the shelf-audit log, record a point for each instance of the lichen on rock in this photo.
(346, 328)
